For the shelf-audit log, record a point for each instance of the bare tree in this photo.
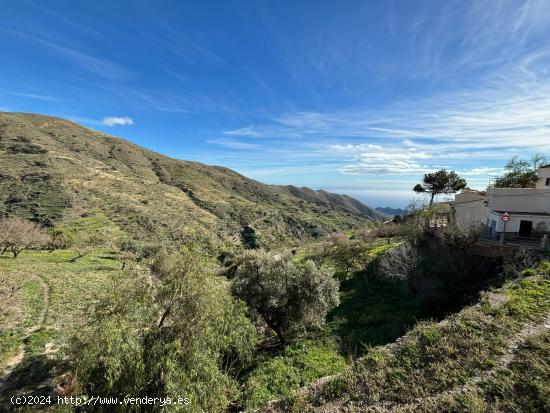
(57, 240)
(342, 253)
(400, 262)
(388, 230)
(457, 238)
(123, 250)
(17, 235)
(85, 243)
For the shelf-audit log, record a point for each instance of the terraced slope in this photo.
(52, 168)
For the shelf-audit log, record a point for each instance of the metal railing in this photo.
(533, 242)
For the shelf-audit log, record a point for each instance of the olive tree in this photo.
(290, 298)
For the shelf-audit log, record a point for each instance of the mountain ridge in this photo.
(391, 212)
(55, 166)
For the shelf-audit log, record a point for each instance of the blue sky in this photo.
(356, 97)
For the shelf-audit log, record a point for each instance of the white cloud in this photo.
(374, 159)
(117, 121)
(393, 168)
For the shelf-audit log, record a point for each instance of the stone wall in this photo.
(511, 260)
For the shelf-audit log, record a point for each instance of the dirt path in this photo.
(529, 330)
(15, 360)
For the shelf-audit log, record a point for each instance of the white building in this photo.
(544, 177)
(529, 208)
(468, 208)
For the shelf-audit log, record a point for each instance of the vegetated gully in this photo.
(451, 276)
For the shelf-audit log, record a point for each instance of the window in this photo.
(547, 181)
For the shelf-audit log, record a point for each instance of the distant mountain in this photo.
(54, 169)
(330, 200)
(391, 212)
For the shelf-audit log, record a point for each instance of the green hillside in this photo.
(452, 329)
(54, 169)
(491, 357)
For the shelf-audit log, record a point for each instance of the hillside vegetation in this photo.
(127, 273)
(491, 357)
(53, 168)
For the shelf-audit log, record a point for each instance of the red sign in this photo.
(506, 217)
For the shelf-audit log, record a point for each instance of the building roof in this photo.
(544, 166)
(476, 191)
(538, 214)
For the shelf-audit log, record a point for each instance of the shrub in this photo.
(388, 230)
(289, 298)
(27, 148)
(185, 336)
(57, 240)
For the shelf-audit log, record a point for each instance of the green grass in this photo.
(70, 288)
(437, 357)
(10, 342)
(20, 311)
(525, 384)
(71, 285)
(528, 298)
(93, 223)
(294, 367)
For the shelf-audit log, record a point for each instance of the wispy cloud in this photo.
(350, 148)
(184, 45)
(232, 143)
(117, 121)
(34, 96)
(475, 119)
(459, 130)
(65, 20)
(246, 132)
(98, 66)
